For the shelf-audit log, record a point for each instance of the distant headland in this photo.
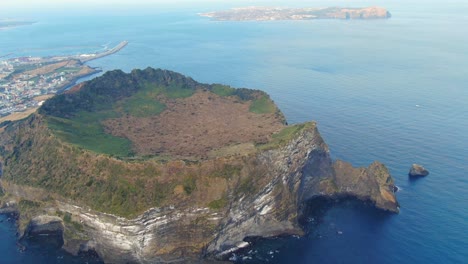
(9, 23)
(254, 13)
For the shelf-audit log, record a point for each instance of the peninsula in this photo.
(25, 81)
(154, 167)
(278, 13)
(9, 23)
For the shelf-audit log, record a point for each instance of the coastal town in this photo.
(25, 82)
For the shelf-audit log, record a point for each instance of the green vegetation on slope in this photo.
(222, 90)
(246, 186)
(27, 209)
(263, 105)
(285, 135)
(105, 184)
(243, 94)
(73, 229)
(228, 171)
(27, 205)
(143, 103)
(190, 183)
(85, 130)
(102, 93)
(143, 107)
(175, 91)
(218, 204)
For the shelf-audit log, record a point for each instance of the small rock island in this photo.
(151, 166)
(254, 13)
(417, 170)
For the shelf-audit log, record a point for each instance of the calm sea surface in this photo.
(390, 90)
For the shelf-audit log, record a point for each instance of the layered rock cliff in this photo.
(149, 210)
(297, 173)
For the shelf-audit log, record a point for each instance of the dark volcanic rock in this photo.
(44, 224)
(418, 171)
(44, 230)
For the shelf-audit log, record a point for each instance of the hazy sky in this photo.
(30, 3)
(42, 5)
(19, 3)
(24, 3)
(62, 2)
(24, 8)
(110, 3)
(37, 3)
(17, 8)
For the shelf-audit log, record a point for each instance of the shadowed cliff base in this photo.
(318, 222)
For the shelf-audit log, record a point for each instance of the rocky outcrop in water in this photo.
(417, 170)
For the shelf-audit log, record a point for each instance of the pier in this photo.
(88, 57)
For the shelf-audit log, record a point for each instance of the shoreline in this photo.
(74, 81)
(39, 250)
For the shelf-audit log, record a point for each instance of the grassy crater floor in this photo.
(161, 113)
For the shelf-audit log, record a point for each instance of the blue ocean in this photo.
(391, 90)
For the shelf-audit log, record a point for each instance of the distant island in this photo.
(254, 13)
(8, 23)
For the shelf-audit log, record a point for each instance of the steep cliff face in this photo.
(298, 172)
(164, 209)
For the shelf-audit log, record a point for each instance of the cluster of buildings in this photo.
(22, 79)
(17, 90)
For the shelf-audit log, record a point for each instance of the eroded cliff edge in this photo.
(193, 208)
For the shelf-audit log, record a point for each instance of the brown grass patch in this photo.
(43, 97)
(387, 195)
(18, 115)
(75, 88)
(85, 70)
(195, 126)
(51, 67)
